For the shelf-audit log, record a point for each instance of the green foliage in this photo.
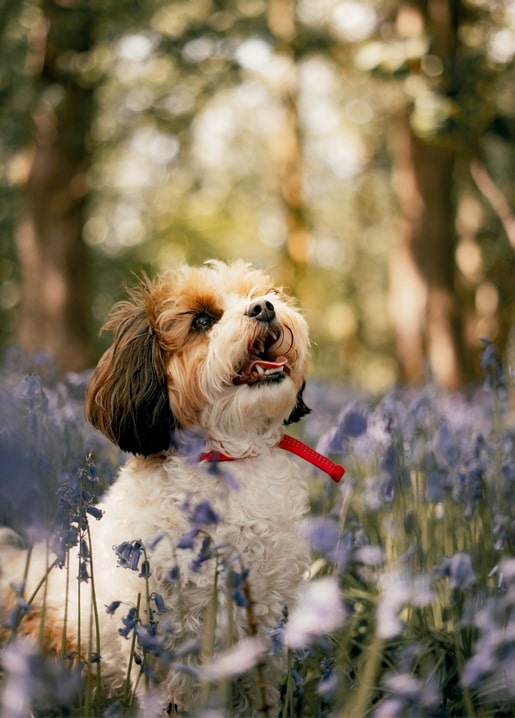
(183, 146)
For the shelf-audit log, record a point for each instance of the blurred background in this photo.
(362, 151)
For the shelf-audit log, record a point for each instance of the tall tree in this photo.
(425, 317)
(54, 261)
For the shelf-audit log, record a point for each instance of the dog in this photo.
(217, 353)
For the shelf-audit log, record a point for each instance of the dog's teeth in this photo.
(274, 371)
(260, 369)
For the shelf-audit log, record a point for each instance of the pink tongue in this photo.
(267, 365)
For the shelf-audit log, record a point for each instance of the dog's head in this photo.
(215, 347)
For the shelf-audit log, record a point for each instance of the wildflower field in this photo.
(410, 605)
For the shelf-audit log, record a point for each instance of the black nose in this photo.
(262, 310)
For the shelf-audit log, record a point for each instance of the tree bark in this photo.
(288, 149)
(54, 260)
(425, 312)
(423, 306)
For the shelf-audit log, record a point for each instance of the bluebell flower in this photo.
(95, 512)
(113, 607)
(83, 572)
(204, 515)
(123, 552)
(329, 680)
(159, 601)
(145, 569)
(235, 582)
(74, 503)
(187, 540)
(297, 681)
(129, 621)
(129, 554)
(492, 365)
(84, 552)
(319, 611)
(113, 711)
(149, 641)
(353, 422)
(31, 683)
(458, 569)
(189, 444)
(203, 555)
(323, 535)
(276, 633)
(174, 573)
(153, 544)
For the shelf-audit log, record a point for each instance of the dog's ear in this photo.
(127, 396)
(300, 409)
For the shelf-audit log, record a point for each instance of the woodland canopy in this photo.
(363, 151)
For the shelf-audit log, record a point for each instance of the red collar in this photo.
(289, 443)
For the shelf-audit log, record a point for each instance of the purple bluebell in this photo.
(276, 633)
(129, 554)
(187, 540)
(83, 572)
(145, 569)
(458, 569)
(149, 641)
(235, 582)
(203, 555)
(113, 607)
(95, 512)
(159, 601)
(129, 623)
(204, 515)
(174, 573)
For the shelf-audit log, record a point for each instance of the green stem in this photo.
(127, 697)
(362, 703)
(96, 620)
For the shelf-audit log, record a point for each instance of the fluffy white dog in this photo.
(218, 350)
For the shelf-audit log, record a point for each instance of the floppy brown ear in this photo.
(300, 409)
(127, 396)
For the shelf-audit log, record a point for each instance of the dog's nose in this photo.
(262, 310)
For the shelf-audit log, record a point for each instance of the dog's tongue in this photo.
(257, 369)
(260, 366)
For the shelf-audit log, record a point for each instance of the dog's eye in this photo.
(202, 321)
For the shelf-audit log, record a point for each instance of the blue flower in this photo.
(129, 621)
(204, 554)
(458, 570)
(112, 607)
(83, 572)
(203, 514)
(174, 573)
(187, 540)
(149, 641)
(235, 582)
(159, 601)
(95, 512)
(491, 364)
(129, 554)
(145, 569)
(276, 634)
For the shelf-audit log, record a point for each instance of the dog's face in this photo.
(215, 347)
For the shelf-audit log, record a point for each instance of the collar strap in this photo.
(295, 446)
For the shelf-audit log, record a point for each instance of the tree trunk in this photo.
(425, 313)
(423, 306)
(288, 149)
(54, 261)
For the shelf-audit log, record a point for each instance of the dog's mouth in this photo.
(262, 364)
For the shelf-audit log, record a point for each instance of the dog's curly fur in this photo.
(215, 348)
